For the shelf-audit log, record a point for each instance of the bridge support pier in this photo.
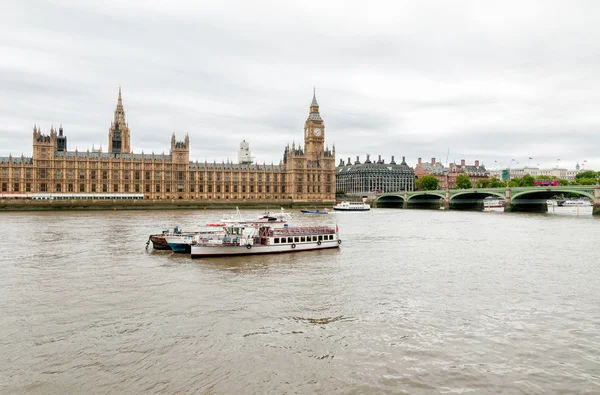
(596, 210)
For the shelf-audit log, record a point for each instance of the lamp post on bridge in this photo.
(509, 165)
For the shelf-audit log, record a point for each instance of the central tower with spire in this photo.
(314, 132)
(118, 134)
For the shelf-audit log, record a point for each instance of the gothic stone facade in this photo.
(305, 174)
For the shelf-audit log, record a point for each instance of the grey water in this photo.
(414, 301)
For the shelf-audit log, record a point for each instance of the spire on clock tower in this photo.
(314, 131)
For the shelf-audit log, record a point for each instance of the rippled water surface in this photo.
(414, 302)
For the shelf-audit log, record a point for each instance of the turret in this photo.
(118, 133)
(61, 141)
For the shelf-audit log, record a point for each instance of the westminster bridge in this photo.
(527, 199)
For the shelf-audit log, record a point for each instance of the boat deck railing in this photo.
(307, 230)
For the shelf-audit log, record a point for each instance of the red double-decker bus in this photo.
(547, 183)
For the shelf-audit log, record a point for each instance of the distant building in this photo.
(475, 172)
(433, 168)
(556, 172)
(447, 175)
(373, 177)
(244, 153)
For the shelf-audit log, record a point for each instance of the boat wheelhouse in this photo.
(240, 239)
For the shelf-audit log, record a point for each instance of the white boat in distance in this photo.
(240, 239)
(575, 203)
(352, 206)
(493, 202)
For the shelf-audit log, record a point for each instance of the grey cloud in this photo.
(487, 82)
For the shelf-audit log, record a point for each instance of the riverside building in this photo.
(306, 173)
(373, 177)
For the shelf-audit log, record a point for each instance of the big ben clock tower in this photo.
(314, 132)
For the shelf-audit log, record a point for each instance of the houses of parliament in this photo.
(305, 173)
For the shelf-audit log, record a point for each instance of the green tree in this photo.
(587, 181)
(483, 183)
(527, 181)
(463, 182)
(515, 182)
(496, 183)
(564, 182)
(586, 174)
(428, 183)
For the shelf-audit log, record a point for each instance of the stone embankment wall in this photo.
(41, 205)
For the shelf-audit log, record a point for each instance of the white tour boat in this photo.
(352, 206)
(493, 203)
(576, 203)
(241, 239)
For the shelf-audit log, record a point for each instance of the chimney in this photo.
(433, 161)
(419, 161)
(462, 162)
(349, 163)
(476, 163)
(379, 160)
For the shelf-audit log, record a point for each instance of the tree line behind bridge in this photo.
(432, 183)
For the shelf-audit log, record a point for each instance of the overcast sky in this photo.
(487, 80)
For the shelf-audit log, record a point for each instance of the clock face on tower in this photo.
(317, 132)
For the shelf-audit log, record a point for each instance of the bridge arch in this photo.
(547, 192)
(427, 194)
(477, 193)
(390, 200)
(472, 199)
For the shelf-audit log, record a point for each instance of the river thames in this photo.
(414, 301)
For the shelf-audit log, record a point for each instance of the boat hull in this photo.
(180, 248)
(159, 243)
(351, 209)
(220, 250)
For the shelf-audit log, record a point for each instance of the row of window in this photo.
(147, 175)
(45, 187)
(301, 239)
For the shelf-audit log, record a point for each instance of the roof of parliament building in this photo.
(373, 165)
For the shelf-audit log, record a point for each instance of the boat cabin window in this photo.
(330, 237)
(303, 239)
(314, 238)
(276, 241)
(290, 240)
(320, 237)
(296, 239)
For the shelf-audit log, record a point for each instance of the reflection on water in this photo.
(414, 301)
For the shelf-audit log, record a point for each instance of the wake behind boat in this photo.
(241, 239)
(315, 211)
